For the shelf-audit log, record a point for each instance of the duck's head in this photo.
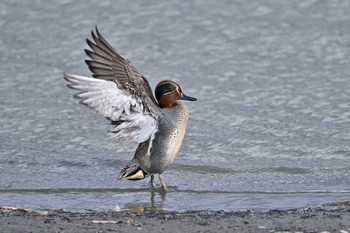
(168, 92)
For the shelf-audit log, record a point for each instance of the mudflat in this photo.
(331, 217)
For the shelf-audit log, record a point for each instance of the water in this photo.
(270, 128)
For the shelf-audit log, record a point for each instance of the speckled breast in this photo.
(168, 139)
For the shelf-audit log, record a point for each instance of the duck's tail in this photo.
(132, 171)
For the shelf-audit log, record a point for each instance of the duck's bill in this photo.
(186, 97)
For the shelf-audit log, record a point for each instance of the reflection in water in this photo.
(156, 203)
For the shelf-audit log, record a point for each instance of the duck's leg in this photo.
(162, 182)
(152, 181)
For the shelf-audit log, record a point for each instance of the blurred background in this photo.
(270, 128)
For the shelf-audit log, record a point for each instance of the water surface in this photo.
(270, 128)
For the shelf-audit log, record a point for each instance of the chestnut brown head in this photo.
(168, 92)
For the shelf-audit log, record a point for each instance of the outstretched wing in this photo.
(126, 112)
(107, 64)
(118, 91)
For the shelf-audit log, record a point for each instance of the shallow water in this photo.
(270, 128)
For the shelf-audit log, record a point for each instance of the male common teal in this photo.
(123, 95)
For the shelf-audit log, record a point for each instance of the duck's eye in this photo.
(163, 89)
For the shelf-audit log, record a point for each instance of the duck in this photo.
(120, 93)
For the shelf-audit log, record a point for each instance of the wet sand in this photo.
(330, 217)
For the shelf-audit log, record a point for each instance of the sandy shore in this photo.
(331, 217)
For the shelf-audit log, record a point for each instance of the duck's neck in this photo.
(168, 100)
(168, 104)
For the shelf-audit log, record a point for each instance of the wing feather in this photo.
(126, 111)
(107, 64)
(118, 91)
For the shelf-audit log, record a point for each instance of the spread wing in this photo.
(118, 91)
(107, 64)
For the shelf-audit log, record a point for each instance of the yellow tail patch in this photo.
(137, 176)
